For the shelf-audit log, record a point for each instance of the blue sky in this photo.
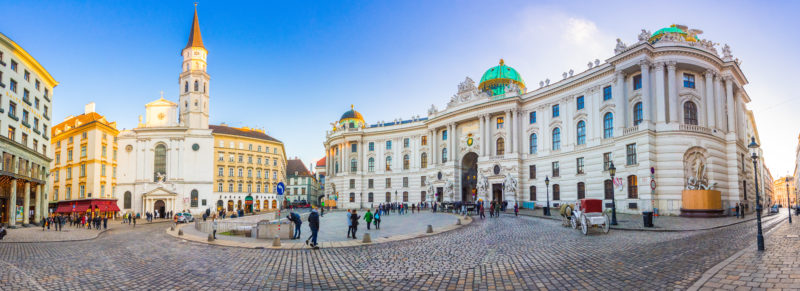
(294, 67)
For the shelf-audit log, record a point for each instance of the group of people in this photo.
(294, 217)
(130, 218)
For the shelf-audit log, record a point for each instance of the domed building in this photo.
(668, 110)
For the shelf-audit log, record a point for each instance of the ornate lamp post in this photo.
(613, 170)
(547, 188)
(788, 203)
(760, 237)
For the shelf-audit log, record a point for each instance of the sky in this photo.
(293, 67)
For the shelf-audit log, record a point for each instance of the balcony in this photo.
(694, 128)
(630, 130)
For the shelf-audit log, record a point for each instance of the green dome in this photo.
(352, 118)
(496, 78)
(673, 29)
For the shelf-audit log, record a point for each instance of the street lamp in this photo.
(613, 170)
(760, 237)
(547, 188)
(788, 203)
(361, 200)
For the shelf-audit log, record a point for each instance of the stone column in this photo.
(672, 87)
(12, 203)
(38, 204)
(481, 124)
(712, 119)
(513, 129)
(487, 130)
(660, 100)
(646, 102)
(507, 144)
(731, 105)
(620, 102)
(453, 136)
(719, 102)
(26, 203)
(434, 147)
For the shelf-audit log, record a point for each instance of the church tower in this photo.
(194, 81)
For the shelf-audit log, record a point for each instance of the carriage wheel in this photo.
(574, 222)
(607, 224)
(584, 224)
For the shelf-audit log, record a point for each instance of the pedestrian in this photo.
(3, 231)
(516, 209)
(313, 224)
(134, 221)
(377, 219)
(743, 210)
(214, 227)
(321, 214)
(368, 218)
(295, 218)
(105, 222)
(737, 210)
(44, 222)
(481, 211)
(349, 223)
(354, 219)
(491, 210)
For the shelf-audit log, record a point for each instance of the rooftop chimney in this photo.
(89, 108)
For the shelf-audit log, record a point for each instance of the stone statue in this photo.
(466, 86)
(696, 171)
(448, 189)
(620, 47)
(547, 81)
(644, 35)
(590, 65)
(571, 71)
(483, 185)
(161, 177)
(596, 62)
(432, 110)
(564, 75)
(509, 184)
(726, 53)
(541, 84)
(430, 188)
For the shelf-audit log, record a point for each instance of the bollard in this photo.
(210, 237)
(458, 221)
(172, 228)
(180, 232)
(366, 238)
(430, 229)
(276, 242)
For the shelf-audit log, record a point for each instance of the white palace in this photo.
(668, 111)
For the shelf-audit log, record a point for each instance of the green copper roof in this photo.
(668, 30)
(498, 76)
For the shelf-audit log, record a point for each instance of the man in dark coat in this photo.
(313, 223)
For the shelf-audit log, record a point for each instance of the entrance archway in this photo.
(497, 192)
(469, 177)
(274, 204)
(219, 205)
(159, 206)
(230, 205)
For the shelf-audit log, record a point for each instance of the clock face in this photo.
(195, 147)
(161, 116)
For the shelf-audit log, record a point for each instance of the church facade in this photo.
(668, 112)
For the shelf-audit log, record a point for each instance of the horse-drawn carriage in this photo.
(585, 213)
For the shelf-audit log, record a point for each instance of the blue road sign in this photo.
(280, 188)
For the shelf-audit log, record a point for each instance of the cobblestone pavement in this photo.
(777, 268)
(69, 233)
(520, 253)
(660, 223)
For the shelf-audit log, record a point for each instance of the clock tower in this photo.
(194, 81)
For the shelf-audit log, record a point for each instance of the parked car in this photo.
(773, 209)
(184, 217)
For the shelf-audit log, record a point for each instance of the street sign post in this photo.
(280, 189)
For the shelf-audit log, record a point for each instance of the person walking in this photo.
(3, 231)
(516, 209)
(313, 224)
(44, 222)
(368, 218)
(105, 222)
(743, 210)
(737, 210)
(377, 219)
(298, 222)
(134, 221)
(354, 220)
(349, 223)
(481, 211)
(214, 227)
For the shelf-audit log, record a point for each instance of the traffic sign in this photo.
(280, 188)
(653, 184)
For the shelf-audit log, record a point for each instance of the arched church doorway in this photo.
(469, 177)
(159, 207)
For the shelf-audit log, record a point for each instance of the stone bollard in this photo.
(430, 229)
(458, 221)
(366, 238)
(172, 228)
(180, 232)
(276, 242)
(210, 237)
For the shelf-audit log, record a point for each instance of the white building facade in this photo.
(664, 104)
(166, 163)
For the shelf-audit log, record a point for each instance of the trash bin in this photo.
(647, 216)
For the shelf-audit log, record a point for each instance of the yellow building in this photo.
(84, 167)
(249, 164)
(780, 190)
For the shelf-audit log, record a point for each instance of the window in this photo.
(405, 196)
(500, 147)
(26, 75)
(194, 198)
(422, 180)
(389, 163)
(532, 172)
(82, 190)
(688, 81)
(241, 158)
(371, 146)
(239, 188)
(186, 87)
(579, 103)
(13, 65)
(69, 193)
(24, 139)
(370, 197)
(250, 147)
(388, 182)
(159, 162)
(220, 171)
(556, 139)
(581, 190)
(533, 193)
(249, 173)
(388, 144)
(555, 111)
(579, 165)
(371, 165)
(353, 147)
(230, 187)
(581, 131)
(353, 165)
(633, 187)
(11, 133)
(444, 155)
(424, 140)
(69, 173)
(532, 117)
(556, 192)
(241, 172)
(12, 85)
(406, 142)
(352, 184)
(637, 113)
(608, 189)
(83, 151)
(37, 85)
(197, 88)
(230, 172)
(103, 170)
(12, 109)
(26, 95)
(219, 187)
(637, 82)
(533, 143)
(352, 197)
(423, 160)
(422, 196)
(556, 170)
(689, 113)
(606, 161)
(405, 182)
(249, 159)
(406, 162)
(444, 134)
(500, 122)
(104, 151)
(83, 170)
(608, 125)
(128, 199)
(630, 154)
(370, 183)
(388, 197)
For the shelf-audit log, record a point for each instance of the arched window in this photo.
(581, 190)
(371, 165)
(556, 139)
(423, 160)
(159, 162)
(637, 113)
(556, 192)
(186, 86)
(608, 125)
(127, 200)
(204, 87)
(389, 163)
(533, 193)
(444, 155)
(241, 172)
(353, 166)
(689, 113)
(533, 143)
(608, 188)
(633, 187)
(194, 198)
(406, 162)
(581, 131)
(196, 86)
(501, 146)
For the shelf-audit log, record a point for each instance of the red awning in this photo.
(84, 205)
(113, 206)
(64, 208)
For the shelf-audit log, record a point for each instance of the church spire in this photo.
(195, 40)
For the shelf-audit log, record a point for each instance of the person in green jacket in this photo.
(368, 218)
